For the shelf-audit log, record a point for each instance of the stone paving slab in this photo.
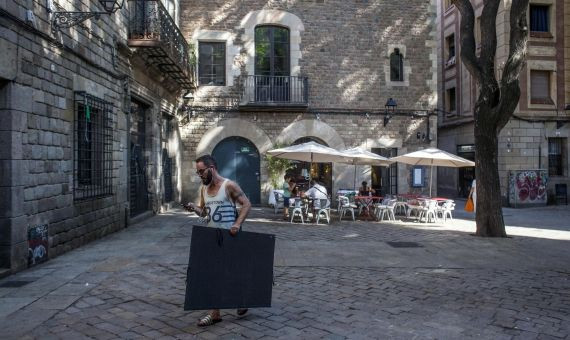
(336, 281)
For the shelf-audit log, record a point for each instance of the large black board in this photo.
(227, 271)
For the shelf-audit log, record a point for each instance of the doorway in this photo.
(238, 160)
(466, 174)
(303, 171)
(385, 179)
(138, 193)
(272, 64)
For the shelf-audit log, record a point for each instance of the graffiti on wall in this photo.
(37, 244)
(527, 187)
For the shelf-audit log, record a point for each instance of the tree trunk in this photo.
(488, 215)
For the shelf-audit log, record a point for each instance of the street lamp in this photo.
(390, 107)
(64, 19)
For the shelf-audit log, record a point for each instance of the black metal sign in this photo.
(227, 271)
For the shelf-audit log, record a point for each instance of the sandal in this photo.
(208, 320)
(241, 311)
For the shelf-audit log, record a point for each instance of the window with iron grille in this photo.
(556, 154)
(92, 166)
(396, 66)
(212, 63)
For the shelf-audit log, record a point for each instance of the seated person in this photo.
(316, 192)
(293, 187)
(365, 190)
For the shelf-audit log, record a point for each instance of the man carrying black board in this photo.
(218, 197)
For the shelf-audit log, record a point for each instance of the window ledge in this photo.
(542, 101)
(543, 35)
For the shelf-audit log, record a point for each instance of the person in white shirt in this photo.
(316, 192)
(218, 199)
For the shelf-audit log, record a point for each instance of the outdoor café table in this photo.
(366, 202)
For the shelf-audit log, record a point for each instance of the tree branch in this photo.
(467, 42)
(510, 90)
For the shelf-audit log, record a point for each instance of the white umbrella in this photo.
(309, 152)
(431, 157)
(359, 156)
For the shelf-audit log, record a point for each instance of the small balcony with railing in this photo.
(274, 92)
(159, 41)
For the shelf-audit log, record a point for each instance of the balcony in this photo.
(159, 41)
(274, 92)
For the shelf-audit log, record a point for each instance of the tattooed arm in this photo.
(237, 195)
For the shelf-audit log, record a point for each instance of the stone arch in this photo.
(276, 17)
(342, 174)
(230, 128)
(311, 127)
(242, 128)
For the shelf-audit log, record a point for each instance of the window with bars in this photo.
(212, 63)
(396, 66)
(92, 168)
(556, 154)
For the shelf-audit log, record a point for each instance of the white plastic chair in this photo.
(414, 207)
(344, 205)
(400, 206)
(445, 210)
(379, 206)
(324, 210)
(386, 210)
(297, 210)
(279, 199)
(428, 211)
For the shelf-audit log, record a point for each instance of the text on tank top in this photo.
(221, 212)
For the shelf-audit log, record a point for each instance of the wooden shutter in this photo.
(540, 87)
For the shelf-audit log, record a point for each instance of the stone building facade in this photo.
(87, 123)
(278, 73)
(536, 137)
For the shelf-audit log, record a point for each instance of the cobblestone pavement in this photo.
(344, 280)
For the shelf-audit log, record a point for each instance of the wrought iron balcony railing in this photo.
(162, 44)
(274, 91)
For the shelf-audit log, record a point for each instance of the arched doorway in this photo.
(322, 172)
(238, 160)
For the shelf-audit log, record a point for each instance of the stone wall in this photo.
(523, 142)
(339, 131)
(343, 49)
(39, 76)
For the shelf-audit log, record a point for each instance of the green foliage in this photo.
(276, 168)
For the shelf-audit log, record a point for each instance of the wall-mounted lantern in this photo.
(390, 108)
(63, 19)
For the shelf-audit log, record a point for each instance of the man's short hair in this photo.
(208, 161)
(364, 183)
(312, 182)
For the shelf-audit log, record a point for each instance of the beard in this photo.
(208, 179)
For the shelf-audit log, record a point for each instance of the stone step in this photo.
(4, 272)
